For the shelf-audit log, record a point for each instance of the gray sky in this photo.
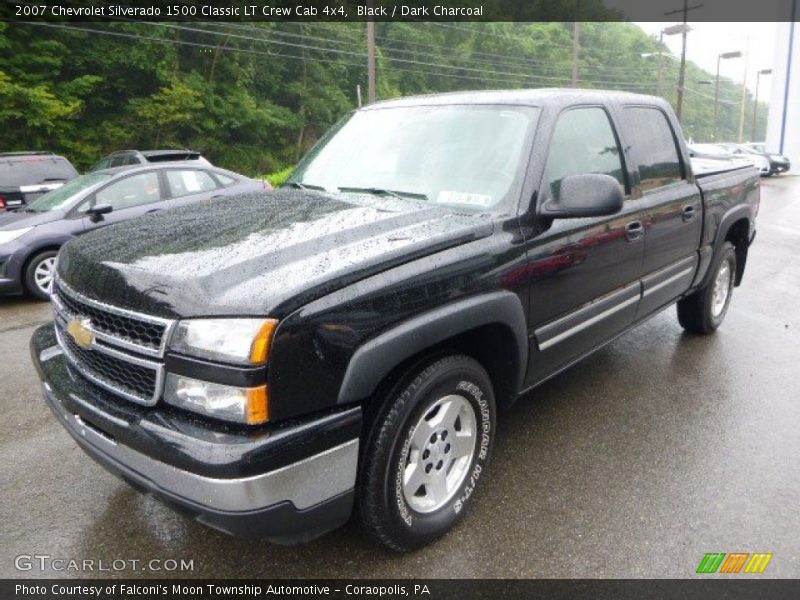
(707, 40)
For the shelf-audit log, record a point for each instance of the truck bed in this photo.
(704, 166)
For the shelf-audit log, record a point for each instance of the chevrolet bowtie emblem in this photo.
(81, 332)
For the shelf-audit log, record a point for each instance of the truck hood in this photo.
(257, 254)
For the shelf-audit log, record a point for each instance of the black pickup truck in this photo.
(268, 363)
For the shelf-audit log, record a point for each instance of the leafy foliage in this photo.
(255, 97)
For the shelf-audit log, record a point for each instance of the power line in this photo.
(401, 60)
(415, 62)
(361, 54)
(492, 33)
(185, 43)
(507, 59)
(492, 75)
(699, 93)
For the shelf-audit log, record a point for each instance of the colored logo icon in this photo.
(735, 562)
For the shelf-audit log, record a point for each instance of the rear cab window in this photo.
(655, 147)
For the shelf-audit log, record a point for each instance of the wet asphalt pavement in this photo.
(659, 448)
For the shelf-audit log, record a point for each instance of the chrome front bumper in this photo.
(295, 501)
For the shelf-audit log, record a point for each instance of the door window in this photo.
(583, 142)
(224, 179)
(131, 191)
(655, 146)
(189, 181)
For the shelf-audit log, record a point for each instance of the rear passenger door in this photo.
(671, 205)
(584, 273)
(192, 185)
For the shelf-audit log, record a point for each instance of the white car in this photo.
(731, 151)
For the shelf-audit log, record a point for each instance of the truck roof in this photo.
(523, 97)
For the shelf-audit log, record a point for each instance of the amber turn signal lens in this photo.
(257, 405)
(259, 350)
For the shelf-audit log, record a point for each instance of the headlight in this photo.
(11, 234)
(242, 405)
(239, 341)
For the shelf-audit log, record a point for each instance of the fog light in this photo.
(241, 405)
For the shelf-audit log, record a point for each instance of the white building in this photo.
(783, 124)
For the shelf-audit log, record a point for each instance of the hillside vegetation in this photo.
(254, 97)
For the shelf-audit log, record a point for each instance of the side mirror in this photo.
(589, 195)
(96, 212)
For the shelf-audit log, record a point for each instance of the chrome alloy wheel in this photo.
(722, 289)
(442, 444)
(43, 274)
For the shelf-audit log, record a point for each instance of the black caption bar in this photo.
(439, 589)
(400, 10)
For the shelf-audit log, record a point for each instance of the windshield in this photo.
(61, 197)
(467, 156)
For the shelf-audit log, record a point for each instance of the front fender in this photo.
(375, 359)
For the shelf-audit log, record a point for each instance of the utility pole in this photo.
(660, 61)
(725, 55)
(370, 57)
(684, 30)
(755, 103)
(682, 76)
(576, 42)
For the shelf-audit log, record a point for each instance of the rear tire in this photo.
(426, 452)
(704, 310)
(38, 276)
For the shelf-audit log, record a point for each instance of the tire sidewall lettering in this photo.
(485, 438)
(476, 396)
(402, 507)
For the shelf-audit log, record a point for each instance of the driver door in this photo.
(584, 272)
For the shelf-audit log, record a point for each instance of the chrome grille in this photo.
(113, 360)
(132, 381)
(123, 328)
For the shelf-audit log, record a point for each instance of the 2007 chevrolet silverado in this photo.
(270, 361)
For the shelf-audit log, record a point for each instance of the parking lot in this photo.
(635, 463)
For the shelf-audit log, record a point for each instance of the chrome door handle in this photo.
(634, 230)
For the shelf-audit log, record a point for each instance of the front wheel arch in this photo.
(491, 328)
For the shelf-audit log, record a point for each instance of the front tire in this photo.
(704, 310)
(39, 274)
(426, 452)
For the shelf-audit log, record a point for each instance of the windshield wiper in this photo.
(383, 192)
(305, 186)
